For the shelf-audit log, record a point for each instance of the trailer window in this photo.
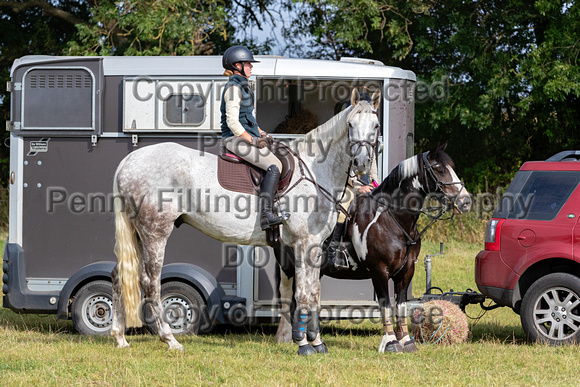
(185, 109)
(58, 99)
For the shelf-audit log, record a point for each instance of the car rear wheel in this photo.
(550, 311)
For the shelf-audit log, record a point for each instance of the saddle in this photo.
(236, 174)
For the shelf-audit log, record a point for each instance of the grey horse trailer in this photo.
(73, 119)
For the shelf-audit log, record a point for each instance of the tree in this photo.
(145, 27)
(511, 68)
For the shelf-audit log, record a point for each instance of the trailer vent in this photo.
(79, 81)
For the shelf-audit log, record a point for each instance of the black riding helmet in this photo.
(236, 54)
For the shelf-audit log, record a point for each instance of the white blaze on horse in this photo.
(144, 219)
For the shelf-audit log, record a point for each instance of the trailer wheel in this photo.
(184, 309)
(92, 309)
(550, 311)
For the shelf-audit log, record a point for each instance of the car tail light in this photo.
(493, 234)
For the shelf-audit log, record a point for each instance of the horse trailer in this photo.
(73, 119)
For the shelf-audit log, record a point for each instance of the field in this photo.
(40, 350)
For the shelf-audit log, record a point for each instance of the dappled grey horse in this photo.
(144, 219)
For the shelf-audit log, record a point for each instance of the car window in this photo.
(542, 196)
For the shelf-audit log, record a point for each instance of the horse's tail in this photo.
(127, 251)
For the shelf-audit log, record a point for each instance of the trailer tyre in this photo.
(92, 309)
(184, 309)
(550, 311)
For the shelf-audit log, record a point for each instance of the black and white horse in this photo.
(385, 240)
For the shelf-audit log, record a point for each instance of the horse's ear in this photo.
(442, 147)
(354, 97)
(376, 100)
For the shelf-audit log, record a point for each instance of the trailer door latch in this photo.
(135, 139)
(94, 139)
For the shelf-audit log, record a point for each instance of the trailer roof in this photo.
(211, 66)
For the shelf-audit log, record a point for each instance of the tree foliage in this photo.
(144, 27)
(511, 68)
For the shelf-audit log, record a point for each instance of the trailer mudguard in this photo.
(17, 296)
(92, 272)
(208, 286)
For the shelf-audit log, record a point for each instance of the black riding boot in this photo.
(336, 261)
(269, 184)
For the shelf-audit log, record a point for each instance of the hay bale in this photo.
(440, 322)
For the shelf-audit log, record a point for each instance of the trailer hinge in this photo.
(94, 139)
(13, 86)
(135, 139)
(11, 125)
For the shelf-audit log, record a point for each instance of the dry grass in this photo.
(38, 350)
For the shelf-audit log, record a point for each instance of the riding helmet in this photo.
(236, 54)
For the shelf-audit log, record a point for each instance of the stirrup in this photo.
(335, 266)
(269, 220)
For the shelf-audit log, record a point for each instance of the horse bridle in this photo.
(325, 192)
(369, 145)
(428, 172)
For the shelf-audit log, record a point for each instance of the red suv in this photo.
(531, 260)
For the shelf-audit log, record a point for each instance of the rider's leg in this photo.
(337, 261)
(267, 190)
(266, 160)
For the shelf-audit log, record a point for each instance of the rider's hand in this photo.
(267, 137)
(260, 142)
(365, 189)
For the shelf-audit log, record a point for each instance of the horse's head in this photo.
(363, 130)
(440, 177)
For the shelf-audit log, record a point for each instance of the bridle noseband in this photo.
(369, 145)
(428, 172)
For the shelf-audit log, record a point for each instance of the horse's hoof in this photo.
(394, 346)
(306, 350)
(410, 346)
(321, 348)
(122, 343)
(177, 347)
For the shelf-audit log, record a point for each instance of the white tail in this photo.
(127, 251)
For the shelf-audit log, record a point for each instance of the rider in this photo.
(240, 132)
(361, 185)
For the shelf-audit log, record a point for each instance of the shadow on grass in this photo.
(33, 322)
(494, 332)
(49, 324)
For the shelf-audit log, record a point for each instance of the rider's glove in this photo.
(260, 142)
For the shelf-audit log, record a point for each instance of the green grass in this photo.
(37, 350)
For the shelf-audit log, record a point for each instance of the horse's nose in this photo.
(464, 203)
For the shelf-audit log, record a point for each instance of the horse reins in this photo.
(310, 178)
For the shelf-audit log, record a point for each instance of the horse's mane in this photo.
(411, 167)
(330, 129)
